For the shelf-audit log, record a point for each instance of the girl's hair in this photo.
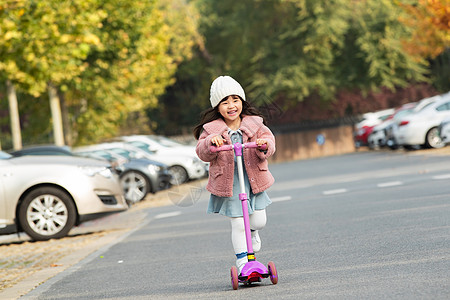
(212, 114)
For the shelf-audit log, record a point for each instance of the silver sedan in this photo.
(45, 196)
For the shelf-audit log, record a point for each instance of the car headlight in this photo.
(93, 170)
(154, 168)
(198, 161)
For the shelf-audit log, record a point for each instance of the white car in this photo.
(45, 196)
(182, 160)
(392, 130)
(139, 175)
(421, 127)
(377, 138)
(381, 133)
(365, 126)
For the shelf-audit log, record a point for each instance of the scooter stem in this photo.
(243, 197)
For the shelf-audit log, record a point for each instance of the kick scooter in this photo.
(253, 270)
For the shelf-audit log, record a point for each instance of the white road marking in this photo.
(279, 199)
(332, 192)
(168, 215)
(388, 184)
(444, 176)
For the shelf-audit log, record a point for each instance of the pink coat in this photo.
(221, 169)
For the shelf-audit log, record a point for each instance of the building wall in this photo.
(304, 144)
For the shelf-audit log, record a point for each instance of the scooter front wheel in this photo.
(272, 272)
(234, 278)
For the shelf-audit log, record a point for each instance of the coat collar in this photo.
(249, 125)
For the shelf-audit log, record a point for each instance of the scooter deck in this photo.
(253, 277)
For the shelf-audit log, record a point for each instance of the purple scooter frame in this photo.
(253, 270)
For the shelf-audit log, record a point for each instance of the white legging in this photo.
(257, 221)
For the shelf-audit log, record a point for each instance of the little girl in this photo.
(230, 120)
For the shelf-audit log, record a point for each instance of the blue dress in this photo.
(231, 206)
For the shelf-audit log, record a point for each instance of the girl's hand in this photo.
(261, 142)
(217, 140)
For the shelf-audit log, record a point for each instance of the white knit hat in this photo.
(224, 86)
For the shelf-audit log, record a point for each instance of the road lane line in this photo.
(444, 176)
(332, 192)
(280, 199)
(390, 183)
(168, 215)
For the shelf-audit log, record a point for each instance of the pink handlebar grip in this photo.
(221, 148)
(250, 145)
(253, 145)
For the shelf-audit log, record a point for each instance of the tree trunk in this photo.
(14, 116)
(68, 133)
(55, 108)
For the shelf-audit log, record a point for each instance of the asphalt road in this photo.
(370, 225)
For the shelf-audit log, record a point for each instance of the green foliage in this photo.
(297, 48)
(291, 50)
(379, 36)
(142, 44)
(109, 59)
(43, 41)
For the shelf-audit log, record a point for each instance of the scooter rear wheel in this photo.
(234, 278)
(273, 272)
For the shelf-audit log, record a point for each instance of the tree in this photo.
(287, 51)
(142, 45)
(44, 45)
(430, 23)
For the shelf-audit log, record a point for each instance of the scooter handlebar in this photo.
(230, 147)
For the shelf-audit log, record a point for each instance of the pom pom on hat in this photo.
(224, 86)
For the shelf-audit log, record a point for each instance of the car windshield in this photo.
(122, 152)
(4, 155)
(97, 154)
(106, 155)
(141, 145)
(425, 106)
(384, 117)
(403, 113)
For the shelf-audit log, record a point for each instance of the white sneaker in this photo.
(256, 241)
(240, 263)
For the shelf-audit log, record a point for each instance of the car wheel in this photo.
(135, 186)
(47, 213)
(179, 175)
(392, 144)
(433, 140)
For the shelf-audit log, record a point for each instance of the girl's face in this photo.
(231, 108)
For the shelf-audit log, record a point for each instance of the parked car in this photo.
(160, 143)
(421, 127)
(138, 176)
(381, 134)
(46, 196)
(392, 130)
(369, 120)
(182, 160)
